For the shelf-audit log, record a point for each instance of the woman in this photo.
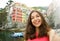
(37, 28)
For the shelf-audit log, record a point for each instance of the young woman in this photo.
(38, 30)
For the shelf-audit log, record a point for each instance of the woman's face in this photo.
(36, 19)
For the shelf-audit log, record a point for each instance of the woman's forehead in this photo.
(34, 13)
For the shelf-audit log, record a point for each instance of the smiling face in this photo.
(36, 19)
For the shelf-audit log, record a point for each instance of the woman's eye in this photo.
(32, 17)
(37, 16)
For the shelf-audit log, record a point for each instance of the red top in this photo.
(45, 38)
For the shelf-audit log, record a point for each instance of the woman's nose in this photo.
(35, 18)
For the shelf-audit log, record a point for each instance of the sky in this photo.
(29, 3)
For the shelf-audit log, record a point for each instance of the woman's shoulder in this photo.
(53, 35)
(52, 31)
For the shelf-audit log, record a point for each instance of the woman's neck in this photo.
(37, 30)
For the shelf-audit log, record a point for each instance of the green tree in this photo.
(3, 17)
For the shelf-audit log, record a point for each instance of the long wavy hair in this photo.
(31, 29)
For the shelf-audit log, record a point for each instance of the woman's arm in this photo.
(53, 36)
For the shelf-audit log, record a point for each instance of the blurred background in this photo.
(14, 15)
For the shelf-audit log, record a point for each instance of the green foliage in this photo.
(3, 16)
(42, 8)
